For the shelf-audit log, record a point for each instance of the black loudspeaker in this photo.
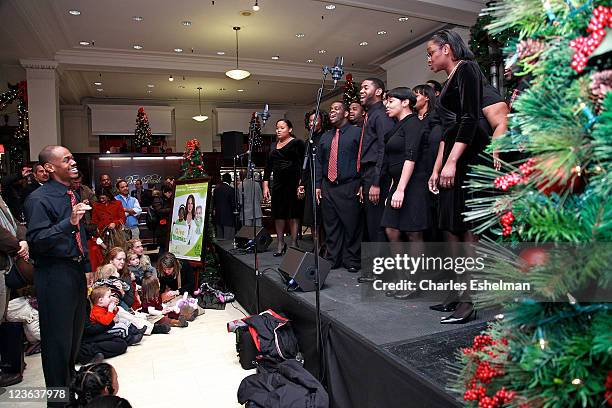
(231, 144)
(300, 265)
(244, 238)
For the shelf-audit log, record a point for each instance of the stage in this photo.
(379, 351)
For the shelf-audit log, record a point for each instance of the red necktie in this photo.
(365, 122)
(332, 168)
(73, 202)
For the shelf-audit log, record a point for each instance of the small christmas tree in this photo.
(193, 162)
(142, 134)
(351, 91)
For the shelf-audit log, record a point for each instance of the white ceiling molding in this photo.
(95, 60)
(121, 119)
(38, 64)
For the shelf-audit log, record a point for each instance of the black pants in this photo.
(341, 213)
(109, 346)
(61, 291)
(11, 348)
(373, 212)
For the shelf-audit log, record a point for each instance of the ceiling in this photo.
(44, 29)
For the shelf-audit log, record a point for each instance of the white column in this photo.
(43, 104)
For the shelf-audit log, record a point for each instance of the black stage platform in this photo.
(379, 351)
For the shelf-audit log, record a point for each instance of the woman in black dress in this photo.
(285, 161)
(407, 208)
(305, 187)
(461, 143)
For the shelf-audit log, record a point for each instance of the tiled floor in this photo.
(197, 364)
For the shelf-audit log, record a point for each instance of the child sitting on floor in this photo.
(152, 303)
(138, 268)
(104, 311)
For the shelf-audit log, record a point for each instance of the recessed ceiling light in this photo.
(84, 43)
(300, 35)
(178, 50)
(170, 78)
(322, 51)
(99, 89)
(220, 52)
(75, 12)
(137, 46)
(150, 86)
(186, 23)
(275, 57)
(222, 89)
(330, 6)
(309, 61)
(97, 83)
(181, 86)
(137, 18)
(363, 43)
(402, 19)
(381, 32)
(149, 91)
(240, 90)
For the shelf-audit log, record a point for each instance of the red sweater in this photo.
(105, 214)
(101, 315)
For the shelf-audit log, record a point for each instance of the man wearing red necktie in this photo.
(58, 245)
(337, 190)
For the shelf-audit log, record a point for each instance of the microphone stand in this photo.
(309, 159)
(251, 172)
(236, 211)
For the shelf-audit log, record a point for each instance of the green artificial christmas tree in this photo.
(193, 161)
(557, 352)
(351, 91)
(19, 144)
(142, 134)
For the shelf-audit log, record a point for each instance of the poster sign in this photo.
(188, 226)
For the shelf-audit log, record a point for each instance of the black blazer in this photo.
(224, 200)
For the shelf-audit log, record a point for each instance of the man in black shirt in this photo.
(337, 189)
(372, 150)
(58, 244)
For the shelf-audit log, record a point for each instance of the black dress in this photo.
(286, 164)
(463, 95)
(406, 142)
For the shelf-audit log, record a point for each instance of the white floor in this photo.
(197, 364)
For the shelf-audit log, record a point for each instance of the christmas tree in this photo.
(351, 91)
(193, 161)
(19, 144)
(142, 134)
(557, 352)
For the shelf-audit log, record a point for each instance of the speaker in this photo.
(300, 265)
(231, 144)
(244, 238)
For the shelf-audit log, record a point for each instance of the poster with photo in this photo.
(188, 226)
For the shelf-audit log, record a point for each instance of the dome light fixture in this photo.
(237, 74)
(200, 117)
(170, 78)
(256, 6)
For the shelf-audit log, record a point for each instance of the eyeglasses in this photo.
(430, 53)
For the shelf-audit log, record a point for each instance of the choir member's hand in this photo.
(301, 192)
(360, 194)
(24, 251)
(318, 193)
(496, 162)
(433, 183)
(397, 199)
(77, 213)
(447, 176)
(112, 225)
(266, 194)
(374, 194)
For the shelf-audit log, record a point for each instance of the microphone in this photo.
(265, 115)
(337, 70)
(242, 154)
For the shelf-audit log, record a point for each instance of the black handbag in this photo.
(20, 275)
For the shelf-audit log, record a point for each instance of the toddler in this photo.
(137, 268)
(152, 304)
(104, 311)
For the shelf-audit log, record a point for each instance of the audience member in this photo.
(136, 246)
(247, 215)
(162, 206)
(152, 303)
(93, 380)
(136, 269)
(12, 189)
(38, 177)
(109, 401)
(107, 211)
(104, 311)
(131, 208)
(144, 196)
(174, 276)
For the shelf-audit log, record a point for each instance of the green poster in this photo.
(188, 215)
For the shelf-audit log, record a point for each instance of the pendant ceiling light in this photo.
(237, 73)
(200, 117)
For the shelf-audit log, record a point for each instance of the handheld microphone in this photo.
(337, 70)
(265, 115)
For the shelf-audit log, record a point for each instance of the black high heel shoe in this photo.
(463, 316)
(445, 307)
(282, 252)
